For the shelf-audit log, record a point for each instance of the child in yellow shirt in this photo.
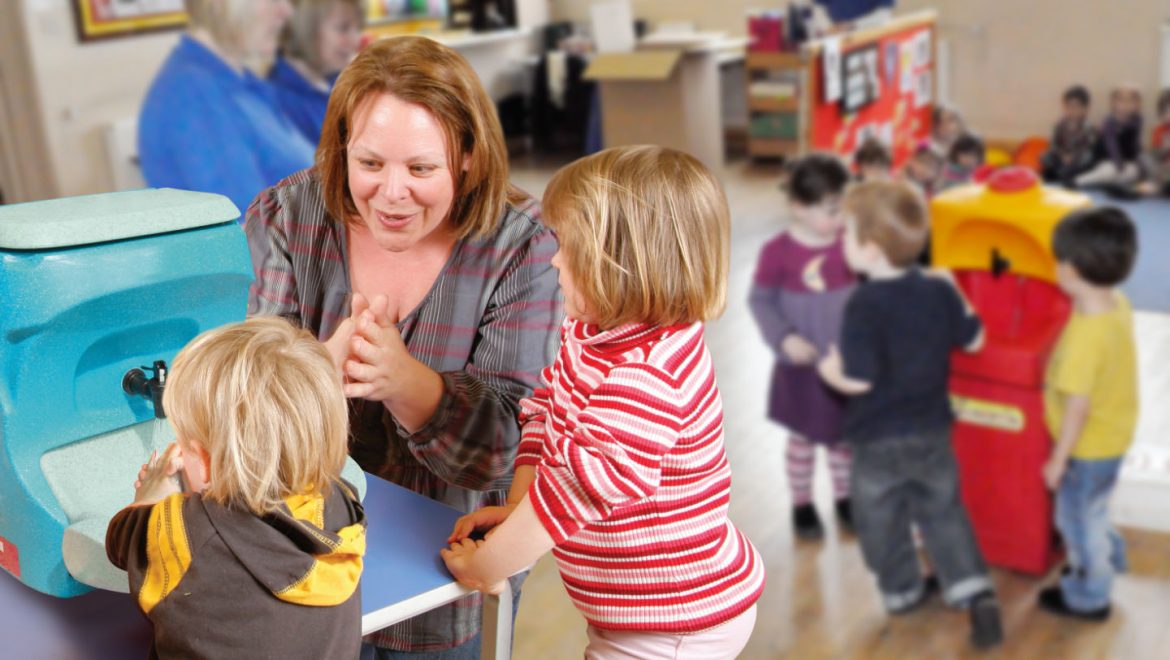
(1091, 405)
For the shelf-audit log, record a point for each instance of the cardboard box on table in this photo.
(662, 95)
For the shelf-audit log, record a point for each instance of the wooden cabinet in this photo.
(774, 88)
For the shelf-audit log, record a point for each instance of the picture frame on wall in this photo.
(107, 19)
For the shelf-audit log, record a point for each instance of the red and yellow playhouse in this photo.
(996, 237)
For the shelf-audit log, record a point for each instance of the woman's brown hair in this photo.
(424, 72)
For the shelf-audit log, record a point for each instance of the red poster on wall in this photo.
(899, 114)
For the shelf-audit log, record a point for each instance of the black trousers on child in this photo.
(908, 479)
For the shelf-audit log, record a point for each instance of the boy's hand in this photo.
(1054, 472)
(799, 350)
(832, 371)
(458, 560)
(156, 477)
(830, 365)
(485, 518)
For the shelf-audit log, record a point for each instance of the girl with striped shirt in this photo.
(621, 470)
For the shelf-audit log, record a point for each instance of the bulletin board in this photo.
(893, 103)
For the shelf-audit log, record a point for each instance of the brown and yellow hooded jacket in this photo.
(218, 582)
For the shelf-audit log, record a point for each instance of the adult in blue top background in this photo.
(208, 123)
(319, 40)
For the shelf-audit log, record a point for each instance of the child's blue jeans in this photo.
(1096, 552)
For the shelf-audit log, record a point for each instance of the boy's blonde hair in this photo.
(645, 233)
(265, 401)
(891, 214)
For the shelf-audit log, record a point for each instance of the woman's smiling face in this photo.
(398, 172)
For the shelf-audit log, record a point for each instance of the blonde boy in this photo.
(900, 328)
(262, 556)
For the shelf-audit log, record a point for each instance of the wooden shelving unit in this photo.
(774, 121)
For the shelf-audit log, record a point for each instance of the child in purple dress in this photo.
(798, 298)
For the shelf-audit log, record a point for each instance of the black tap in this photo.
(135, 383)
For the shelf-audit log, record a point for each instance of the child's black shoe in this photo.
(986, 626)
(806, 522)
(845, 513)
(1052, 600)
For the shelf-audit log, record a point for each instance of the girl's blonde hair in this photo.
(301, 34)
(645, 234)
(265, 401)
(424, 72)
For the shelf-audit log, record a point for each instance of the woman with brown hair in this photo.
(428, 277)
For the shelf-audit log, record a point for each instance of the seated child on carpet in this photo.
(1070, 152)
(965, 158)
(1116, 157)
(925, 170)
(873, 161)
(946, 126)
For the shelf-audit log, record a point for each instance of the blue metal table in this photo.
(403, 577)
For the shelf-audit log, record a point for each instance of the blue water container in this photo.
(91, 288)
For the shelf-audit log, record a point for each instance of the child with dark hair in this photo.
(925, 170)
(965, 157)
(899, 330)
(946, 126)
(1070, 152)
(1157, 161)
(872, 161)
(1090, 405)
(1119, 145)
(802, 283)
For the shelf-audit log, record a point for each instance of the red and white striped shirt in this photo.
(632, 483)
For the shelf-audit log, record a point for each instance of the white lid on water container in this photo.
(89, 219)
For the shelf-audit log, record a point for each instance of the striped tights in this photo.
(801, 456)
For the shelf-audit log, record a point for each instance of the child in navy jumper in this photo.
(894, 362)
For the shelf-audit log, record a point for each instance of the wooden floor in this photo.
(820, 601)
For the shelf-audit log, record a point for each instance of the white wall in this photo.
(78, 89)
(1009, 60)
